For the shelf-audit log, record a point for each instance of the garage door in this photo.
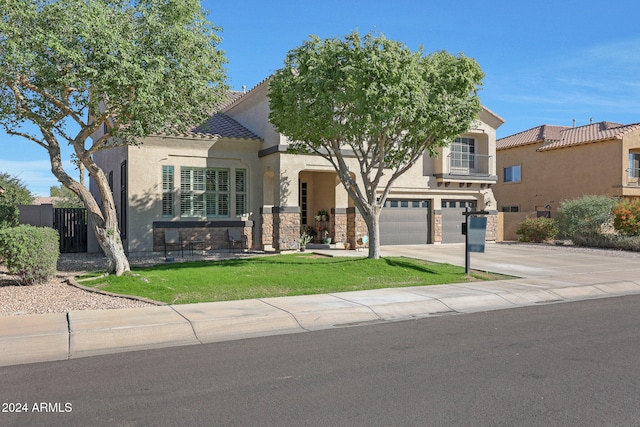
(452, 219)
(404, 222)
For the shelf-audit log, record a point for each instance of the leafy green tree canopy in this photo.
(129, 68)
(377, 101)
(134, 66)
(14, 193)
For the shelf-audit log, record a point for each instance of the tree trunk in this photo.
(105, 221)
(109, 241)
(103, 218)
(373, 226)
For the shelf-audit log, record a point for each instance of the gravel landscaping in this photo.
(58, 296)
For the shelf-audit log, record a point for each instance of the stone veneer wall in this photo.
(213, 234)
(339, 225)
(286, 228)
(266, 214)
(437, 226)
(492, 226)
(356, 228)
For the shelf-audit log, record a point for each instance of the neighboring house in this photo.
(233, 173)
(543, 166)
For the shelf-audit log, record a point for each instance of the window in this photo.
(304, 207)
(167, 191)
(453, 204)
(512, 174)
(241, 191)
(634, 165)
(204, 192)
(463, 153)
(510, 209)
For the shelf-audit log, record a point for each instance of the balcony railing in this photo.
(468, 164)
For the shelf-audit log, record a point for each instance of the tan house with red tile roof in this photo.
(235, 173)
(540, 167)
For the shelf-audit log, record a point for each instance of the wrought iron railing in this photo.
(468, 164)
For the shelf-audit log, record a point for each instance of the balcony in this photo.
(468, 167)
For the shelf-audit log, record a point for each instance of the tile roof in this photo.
(554, 137)
(595, 132)
(224, 126)
(537, 134)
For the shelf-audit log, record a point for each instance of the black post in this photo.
(467, 254)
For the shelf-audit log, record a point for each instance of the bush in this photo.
(15, 193)
(626, 217)
(30, 252)
(584, 217)
(610, 241)
(537, 229)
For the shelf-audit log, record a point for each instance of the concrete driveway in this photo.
(531, 261)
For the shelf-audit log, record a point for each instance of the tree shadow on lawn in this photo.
(404, 263)
(296, 260)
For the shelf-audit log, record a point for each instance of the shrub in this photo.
(610, 241)
(30, 252)
(584, 217)
(15, 193)
(537, 229)
(626, 217)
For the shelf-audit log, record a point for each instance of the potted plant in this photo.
(304, 240)
(323, 214)
(326, 238)
(310, 231)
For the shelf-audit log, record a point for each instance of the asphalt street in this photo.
(558, 364)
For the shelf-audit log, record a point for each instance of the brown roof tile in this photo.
(225, 126)
(554, 137)
(590, 133)
(531, 136)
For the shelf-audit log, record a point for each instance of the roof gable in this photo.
(553, 137)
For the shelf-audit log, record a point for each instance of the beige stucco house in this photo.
(234, 173)
(540, 167)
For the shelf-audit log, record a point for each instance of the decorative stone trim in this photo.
(437, 226)
(339, 225)
(356, 228)
(492, 226)
(266, 214)
(286, 228)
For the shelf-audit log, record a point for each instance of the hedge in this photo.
(30, 252)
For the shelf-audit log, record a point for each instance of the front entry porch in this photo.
(323, 210)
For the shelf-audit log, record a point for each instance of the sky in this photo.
(545, 61)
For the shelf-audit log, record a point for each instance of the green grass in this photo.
(274, 276)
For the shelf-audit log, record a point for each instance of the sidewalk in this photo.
(545, 275)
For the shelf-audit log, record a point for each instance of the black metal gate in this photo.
(71, 224)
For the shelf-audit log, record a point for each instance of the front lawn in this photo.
(278, 275)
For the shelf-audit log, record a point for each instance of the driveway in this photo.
(531, 261)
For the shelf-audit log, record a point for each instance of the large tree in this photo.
(374, 100)
(130, 67)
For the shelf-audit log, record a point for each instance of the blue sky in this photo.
(546, 62)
